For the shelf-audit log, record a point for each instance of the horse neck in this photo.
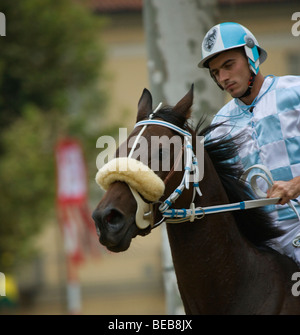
(217, 229)
(207, 249)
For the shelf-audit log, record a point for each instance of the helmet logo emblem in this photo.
(210, 40)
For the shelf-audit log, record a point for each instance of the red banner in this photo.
(71, 173)
(77, 226)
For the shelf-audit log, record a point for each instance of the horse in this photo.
(223, 260)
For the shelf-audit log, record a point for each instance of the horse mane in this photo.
(254, 224)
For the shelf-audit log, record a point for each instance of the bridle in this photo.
(191, 172)
(145, 210)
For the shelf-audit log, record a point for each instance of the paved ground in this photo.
(107, 303)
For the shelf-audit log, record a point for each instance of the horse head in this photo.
(147, 167)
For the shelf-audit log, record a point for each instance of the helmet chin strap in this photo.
(250, 86)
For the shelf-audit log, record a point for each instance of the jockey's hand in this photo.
(285, 190)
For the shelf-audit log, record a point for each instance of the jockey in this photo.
(266, 111)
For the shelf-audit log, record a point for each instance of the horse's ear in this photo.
(183, 107)
(144, 105)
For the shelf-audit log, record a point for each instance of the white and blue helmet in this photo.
(230, 35)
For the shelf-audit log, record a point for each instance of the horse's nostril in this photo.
(113, 217)
(109, 220)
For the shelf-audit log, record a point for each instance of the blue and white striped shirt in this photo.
(270, 130)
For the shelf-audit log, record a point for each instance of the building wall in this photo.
(126, 66)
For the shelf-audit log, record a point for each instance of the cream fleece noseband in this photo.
(133, 172)
(140, 179)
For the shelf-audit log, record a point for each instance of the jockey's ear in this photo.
(144, 105)
(184, 105)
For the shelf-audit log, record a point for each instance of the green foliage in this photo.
(50, 48)
(27, 182)
(51, 72)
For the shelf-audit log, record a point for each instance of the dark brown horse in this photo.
(222, 261)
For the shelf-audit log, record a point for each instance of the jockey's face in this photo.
(231, 70)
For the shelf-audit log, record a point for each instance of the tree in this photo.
(174, 33)
(51, 71)
(51, 50)
(27, 183)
